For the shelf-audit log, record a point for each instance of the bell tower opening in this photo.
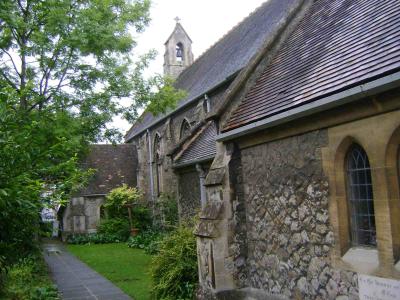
(178, 51)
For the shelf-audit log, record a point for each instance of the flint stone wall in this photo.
(289, 237)
(189, 194)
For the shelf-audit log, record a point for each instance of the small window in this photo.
(185, 129)
(179, 52)
(360, 196)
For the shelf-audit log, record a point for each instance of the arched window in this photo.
(185, 129)
(361, 199)
(179, 52)
(157, 164)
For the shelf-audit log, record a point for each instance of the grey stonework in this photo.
(169, 131)
(172, 66)
(82, 215)
(288, 231)
(189, 193)
(278, 234)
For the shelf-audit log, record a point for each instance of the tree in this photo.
(64, 66)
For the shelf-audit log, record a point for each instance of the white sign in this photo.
(376, 288)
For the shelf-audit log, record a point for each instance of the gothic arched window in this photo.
(179, 52)
(185, 129)
(157, 164)
(361, 198)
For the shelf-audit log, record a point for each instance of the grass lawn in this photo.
(125, 267)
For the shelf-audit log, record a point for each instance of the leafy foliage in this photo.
(148, 240)
(28, 279)
(64, 67)
(169, 209)
(38, 151)
(118, 227)
(118, 198)
(94, 238)
(3, 271)
(174, 268)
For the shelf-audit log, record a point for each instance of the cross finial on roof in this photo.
(177, 19)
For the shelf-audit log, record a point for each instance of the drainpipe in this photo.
(151, 166)
(202, 176)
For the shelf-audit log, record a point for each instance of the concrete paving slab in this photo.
(74, 279)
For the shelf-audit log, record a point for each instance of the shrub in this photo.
(94, 238)
(141, 217)
(118, 198)
(169, 209)
(28, 279)
(174, 268)
(3, 271)
(148, 240)
(114, 227)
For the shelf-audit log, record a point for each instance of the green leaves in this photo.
(64, 67)
(174, 268)
(121, 196)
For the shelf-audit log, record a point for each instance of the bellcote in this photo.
(178, 51)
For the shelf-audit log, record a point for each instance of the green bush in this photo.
(174, 268)
(118, 199)
(3, 271)
(94, 238)
(141, 217)
(117, 226)
(169, 208)
(148, 240)
(28, 280)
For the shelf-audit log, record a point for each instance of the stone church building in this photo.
(287, 146)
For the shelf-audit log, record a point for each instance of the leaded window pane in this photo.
(363, 230)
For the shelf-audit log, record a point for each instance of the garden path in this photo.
(74, 279)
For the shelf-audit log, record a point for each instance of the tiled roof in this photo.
(338, 44)
(115, 165)
(202, 147)
(225, 58)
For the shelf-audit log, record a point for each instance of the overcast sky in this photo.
(205, 21)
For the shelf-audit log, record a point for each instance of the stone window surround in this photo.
(183, 132)
(157, 163)
(382, 147)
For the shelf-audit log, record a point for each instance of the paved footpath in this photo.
(74, 279)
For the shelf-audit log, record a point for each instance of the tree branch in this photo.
(9, 81)
(12, 61)
(59, 85)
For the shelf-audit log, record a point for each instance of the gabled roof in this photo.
(201, 146)
(178, 26)
(339, 44)
(114, 164)
(225, 58)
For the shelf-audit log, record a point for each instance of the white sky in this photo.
(206, 21)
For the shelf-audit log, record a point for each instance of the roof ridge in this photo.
(223, 36)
